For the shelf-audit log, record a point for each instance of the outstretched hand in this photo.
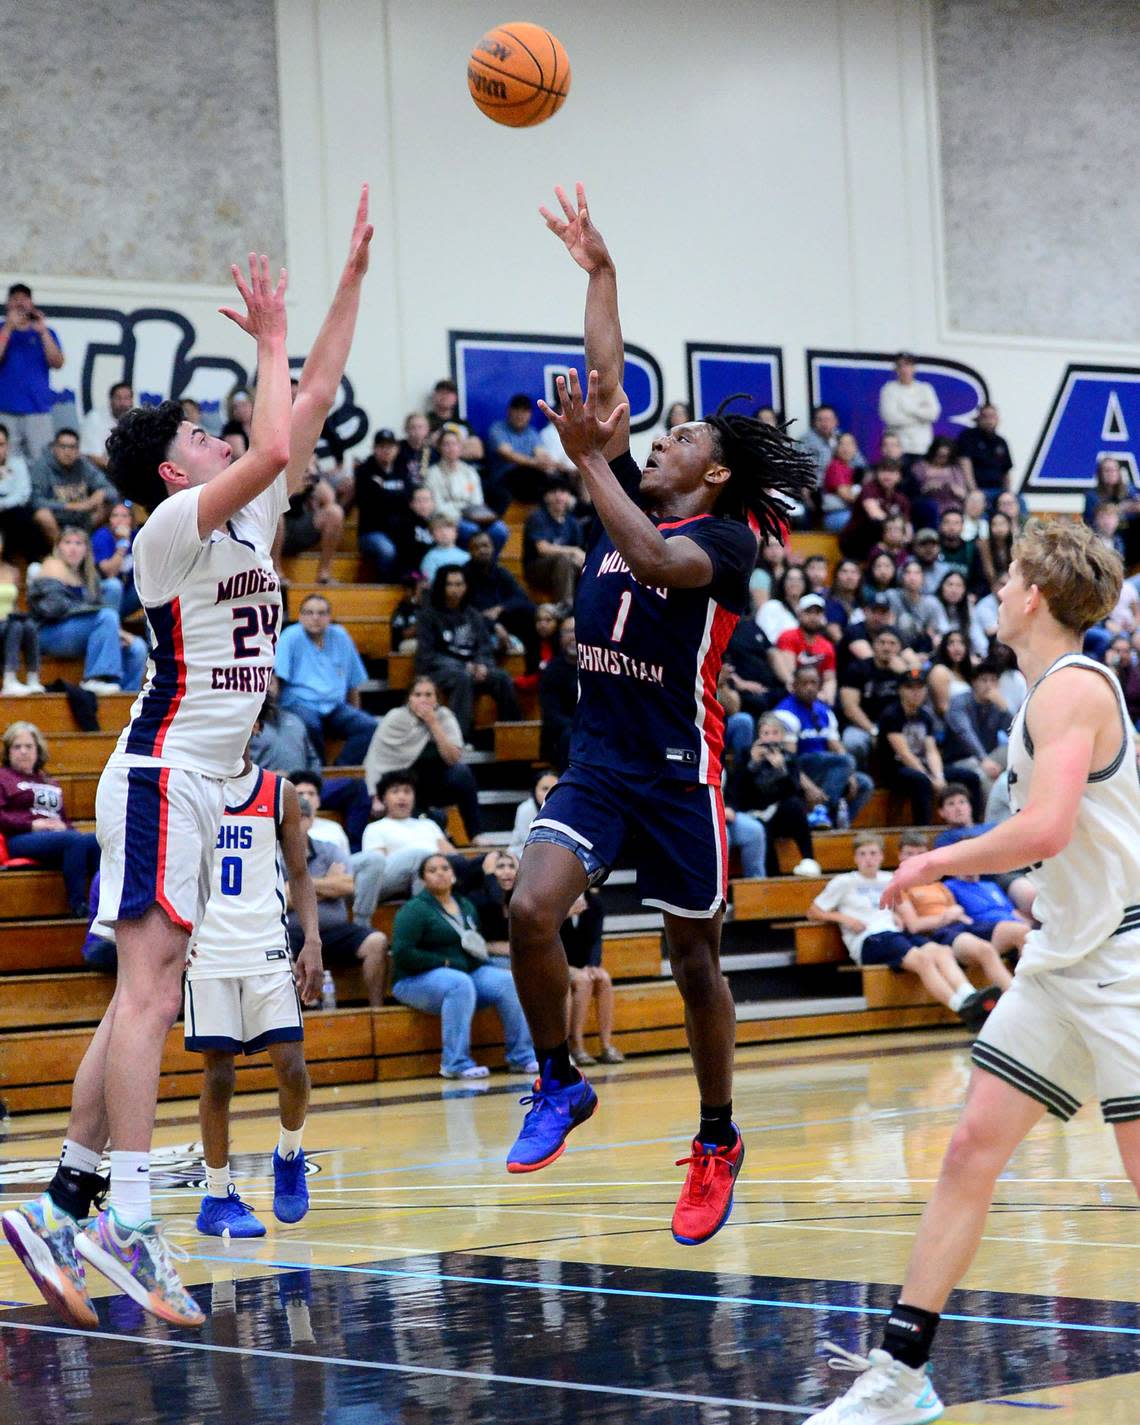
(264, 314)
(584, 242)
(359, 245)
(578, 425)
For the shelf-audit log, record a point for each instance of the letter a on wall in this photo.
(1096, 412)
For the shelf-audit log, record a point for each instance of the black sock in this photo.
(74, 1191)
(557, 1065)
(717, 1126)
(909, 1335)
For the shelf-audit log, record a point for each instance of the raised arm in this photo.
(605, 350)
(324, 366)
(268, 454)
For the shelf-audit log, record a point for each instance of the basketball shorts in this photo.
(888, 947)
(671, 831)
(1065, 1036)
(242, 1014)
(983, 929)
(156, 828)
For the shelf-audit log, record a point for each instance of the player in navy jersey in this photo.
(664, 583)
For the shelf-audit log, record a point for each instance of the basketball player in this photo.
(1069, 1027)
(242, 994)
(665, 580)
(213, 603)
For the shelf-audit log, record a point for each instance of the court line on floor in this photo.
(397, 1368)
(590, 1290)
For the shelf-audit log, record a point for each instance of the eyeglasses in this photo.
(67, 445)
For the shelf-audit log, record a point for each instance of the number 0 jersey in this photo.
(649, 659)
(214, 610)
(243, 930)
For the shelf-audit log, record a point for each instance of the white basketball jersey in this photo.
(1088, 895)
(243, 930)
(214, 610)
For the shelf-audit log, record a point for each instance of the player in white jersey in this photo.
(243, 995)
(1068, 1029)
(203, 573)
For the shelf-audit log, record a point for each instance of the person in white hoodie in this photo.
(909, 408)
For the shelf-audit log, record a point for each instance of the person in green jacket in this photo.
(439, 965)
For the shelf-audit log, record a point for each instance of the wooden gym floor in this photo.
(426, 1285)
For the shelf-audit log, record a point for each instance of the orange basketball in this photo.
(518, 74)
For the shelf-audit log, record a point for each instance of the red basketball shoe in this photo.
(706, 1199)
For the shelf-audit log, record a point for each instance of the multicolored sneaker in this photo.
(885, 1393)
(290, 1190)
(43, 1237)
(706, 1198)
(139, 1260)
(553, 1113)
(228, 1217)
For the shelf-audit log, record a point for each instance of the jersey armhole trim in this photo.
(1104, 773)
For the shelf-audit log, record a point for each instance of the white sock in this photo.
(217, 1181)
(289, 1141)
(130, 1187)
(960, 996)
(75, 1155)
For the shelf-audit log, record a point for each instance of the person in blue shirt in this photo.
(517, 463)
(815, 732)
(320, 673)
(957, 812)
(29, 352)
(552, 545)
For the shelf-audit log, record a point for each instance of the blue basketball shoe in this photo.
(290, 1190)
(228, 1217)
(554, 1111)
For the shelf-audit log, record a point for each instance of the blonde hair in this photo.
(1077, 574)
(88, 570)
(868, 838)
(13, 730)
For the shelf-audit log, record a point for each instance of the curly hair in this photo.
(768, 469)
(137, 447)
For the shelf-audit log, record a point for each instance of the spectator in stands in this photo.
(995, 549)
(68, 490)
(314, 520)
(496, 593)
(956, 811)
(908, 407)
(954, 601)
(440, 966)
(984, 614)
(402, 634)
(817, 573)
(311, 786)
(518, 464)
(542, 784)
(32, 818)
(928, 551)
(443, 411)
(858, 637)
(984, 455)
(455, 648)
(342, 940)
(767, 785)
(98, 425)
(66, 601)
(29, 352)
(492, 900)
(321, 673)
(880, 498)
(868, 686)
(1110, 527)
(1112, 488)
(1010, 505)
(458, 492)
(17, 636)
(280, 740)
(415, 455)
(811, 723)
(239, 420)
(840, 487)
(400, 837)
(553, 548)
(758, 673)
(1120, 656)
(349, 796)
(17, 522)
(589, 980)
(843, 604)
(558, 697)
(955, 551)
(908, 751)
(746, 834)
(382, 495)
(809, 646)
(894, 543)
(111, 548)
(977, 725)
(424, 738)
(445, 552)
(413, 536)
(882, 574)
(939, 481)
(768, 416)
(821, 438)
(776, 614)
(948, 675)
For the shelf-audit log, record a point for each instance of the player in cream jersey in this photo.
(203, 573)
(243, 994)
(1068, 1029)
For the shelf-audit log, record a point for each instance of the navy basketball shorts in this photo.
(983, 929)
(889, 947)
(672, 832)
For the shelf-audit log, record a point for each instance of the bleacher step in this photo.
(798, 1008)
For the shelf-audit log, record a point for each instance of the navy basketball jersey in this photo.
(649, 659)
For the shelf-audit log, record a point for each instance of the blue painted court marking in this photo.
(1025, 1404)
(395, 1368)
(775, 1303)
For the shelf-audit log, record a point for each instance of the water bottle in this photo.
(328, 991)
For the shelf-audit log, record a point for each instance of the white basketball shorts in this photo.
(242, 1013)
(1066, 1036)
(156, 827)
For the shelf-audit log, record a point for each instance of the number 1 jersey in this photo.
(649, 659)
(214, 610)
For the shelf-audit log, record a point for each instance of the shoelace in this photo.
(542, 1100)
(701, 1181)
(165, 1254)
(867, 1385)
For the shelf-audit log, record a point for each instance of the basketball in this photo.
(519, 74)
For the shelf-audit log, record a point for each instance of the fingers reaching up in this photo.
(264, 313)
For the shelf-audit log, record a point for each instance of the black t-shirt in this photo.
(414, 463)
(989, 455)
(748, 650)
(915, 729)
(878, 687)
(381, 496)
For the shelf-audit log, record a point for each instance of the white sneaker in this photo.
(34, 685)
(885, 1393)
(13, 688)
(476, 1071)
(807, 867)
(101, 687)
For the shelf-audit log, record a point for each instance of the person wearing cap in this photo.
(382, 495)
(809, 645)
(553, 549)
(927, 550)
(29, 352)
(908, 407)
(911, 761)
(830, 781)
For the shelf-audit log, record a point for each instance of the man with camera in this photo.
(29, 350)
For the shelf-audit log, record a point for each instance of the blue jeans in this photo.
(75, 853)
(455, 996)
(353, 724)
(96, 637)
(748, 833)
(496, 529)
(381, 551)
(121, 596)
(739, 735)
(835, 520)
(831, 772)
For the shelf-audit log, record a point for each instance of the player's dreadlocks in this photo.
(768, 469)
